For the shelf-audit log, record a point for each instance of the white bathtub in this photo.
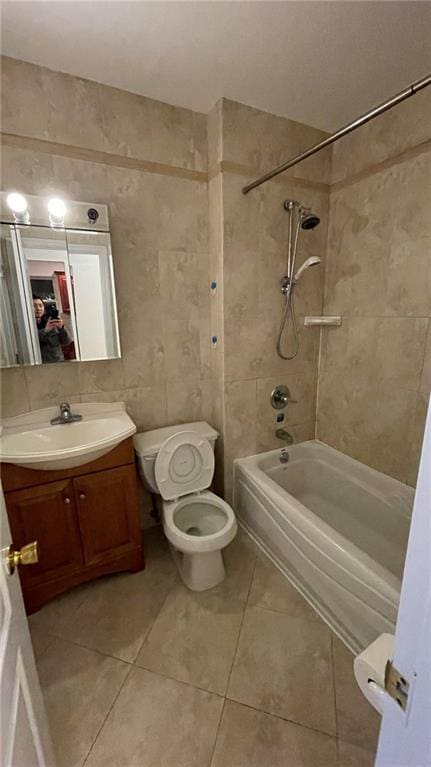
(336, 528)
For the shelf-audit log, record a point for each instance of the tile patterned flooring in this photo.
(137, 671)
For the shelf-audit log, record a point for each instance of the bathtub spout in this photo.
(284, 435)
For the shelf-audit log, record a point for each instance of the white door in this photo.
(24, 735)
(405, 737)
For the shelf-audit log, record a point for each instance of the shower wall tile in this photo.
(254, 252)
(297, 414)
(378, 349)
(374, 375)
(263, 140)
(240, 425)
(44, 104)
(368, 422)
(401, 128)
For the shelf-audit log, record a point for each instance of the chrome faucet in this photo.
(66, 415)
(284, 435)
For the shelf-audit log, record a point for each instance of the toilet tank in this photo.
(148, 443)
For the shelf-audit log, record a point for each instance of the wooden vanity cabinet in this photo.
(85, 520)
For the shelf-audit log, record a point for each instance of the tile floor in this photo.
(137, 671)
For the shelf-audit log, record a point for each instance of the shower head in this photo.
(312, 261)
(309, 220)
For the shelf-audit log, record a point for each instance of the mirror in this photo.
(57, 293)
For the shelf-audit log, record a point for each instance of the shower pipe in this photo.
(378, 110)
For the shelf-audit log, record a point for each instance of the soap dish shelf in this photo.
(330, 321)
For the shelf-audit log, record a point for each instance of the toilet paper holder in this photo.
(396, 685)
(377, 676)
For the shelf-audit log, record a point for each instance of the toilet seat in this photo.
(184, 465)
(215, 506)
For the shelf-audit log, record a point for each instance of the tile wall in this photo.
(172, 179)
(375, 371)
(251, 248)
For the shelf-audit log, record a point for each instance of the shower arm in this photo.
(378, 110)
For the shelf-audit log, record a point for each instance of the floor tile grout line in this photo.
(150, 628)
(211, 760)
(334, 687)
(241, 624)
(313, 621)
(178, 681)
(107, 715)
(90, 649)
(37, 659)
(285, 719)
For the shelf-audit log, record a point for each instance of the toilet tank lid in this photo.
(148, 443)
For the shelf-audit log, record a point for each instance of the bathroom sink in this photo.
(29, 440)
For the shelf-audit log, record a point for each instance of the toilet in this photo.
(177, 462)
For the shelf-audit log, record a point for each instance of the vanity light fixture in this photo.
(56, 209)
(18, 205)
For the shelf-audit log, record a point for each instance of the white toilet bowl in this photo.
(198, 527)
(178, 463)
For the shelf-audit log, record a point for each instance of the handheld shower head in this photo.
(312, 261)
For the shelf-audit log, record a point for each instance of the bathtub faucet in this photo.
(284, 456)
(284, 435)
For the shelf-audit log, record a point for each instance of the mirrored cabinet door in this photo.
(57, 292)
(90, 265)
(48, 284)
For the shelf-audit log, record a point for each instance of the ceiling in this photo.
(321, 63)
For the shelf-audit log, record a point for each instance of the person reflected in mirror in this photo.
(53, 336)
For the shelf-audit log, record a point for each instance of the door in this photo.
(405, 739)
(108, 513)
(47, 513)
(25, 740)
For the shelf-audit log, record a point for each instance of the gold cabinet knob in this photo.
(82, 496)
(27, 555)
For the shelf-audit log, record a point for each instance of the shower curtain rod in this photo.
(405, 94)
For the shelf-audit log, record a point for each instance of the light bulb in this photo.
(17, 202)
(57, 208)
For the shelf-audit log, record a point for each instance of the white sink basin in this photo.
(29, 440)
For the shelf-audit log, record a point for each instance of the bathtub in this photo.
(337, 529)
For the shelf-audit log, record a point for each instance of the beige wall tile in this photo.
(81, 112)
(405, 126)
(51, 384)
(377, 350)
(378, 277)
(187, 402)
(368, 422)
(263, 140)
(103, 375)
(303, 389)
(145, 405)
(14, 392)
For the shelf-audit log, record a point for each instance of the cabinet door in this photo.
(108, 513)
(47, 514)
